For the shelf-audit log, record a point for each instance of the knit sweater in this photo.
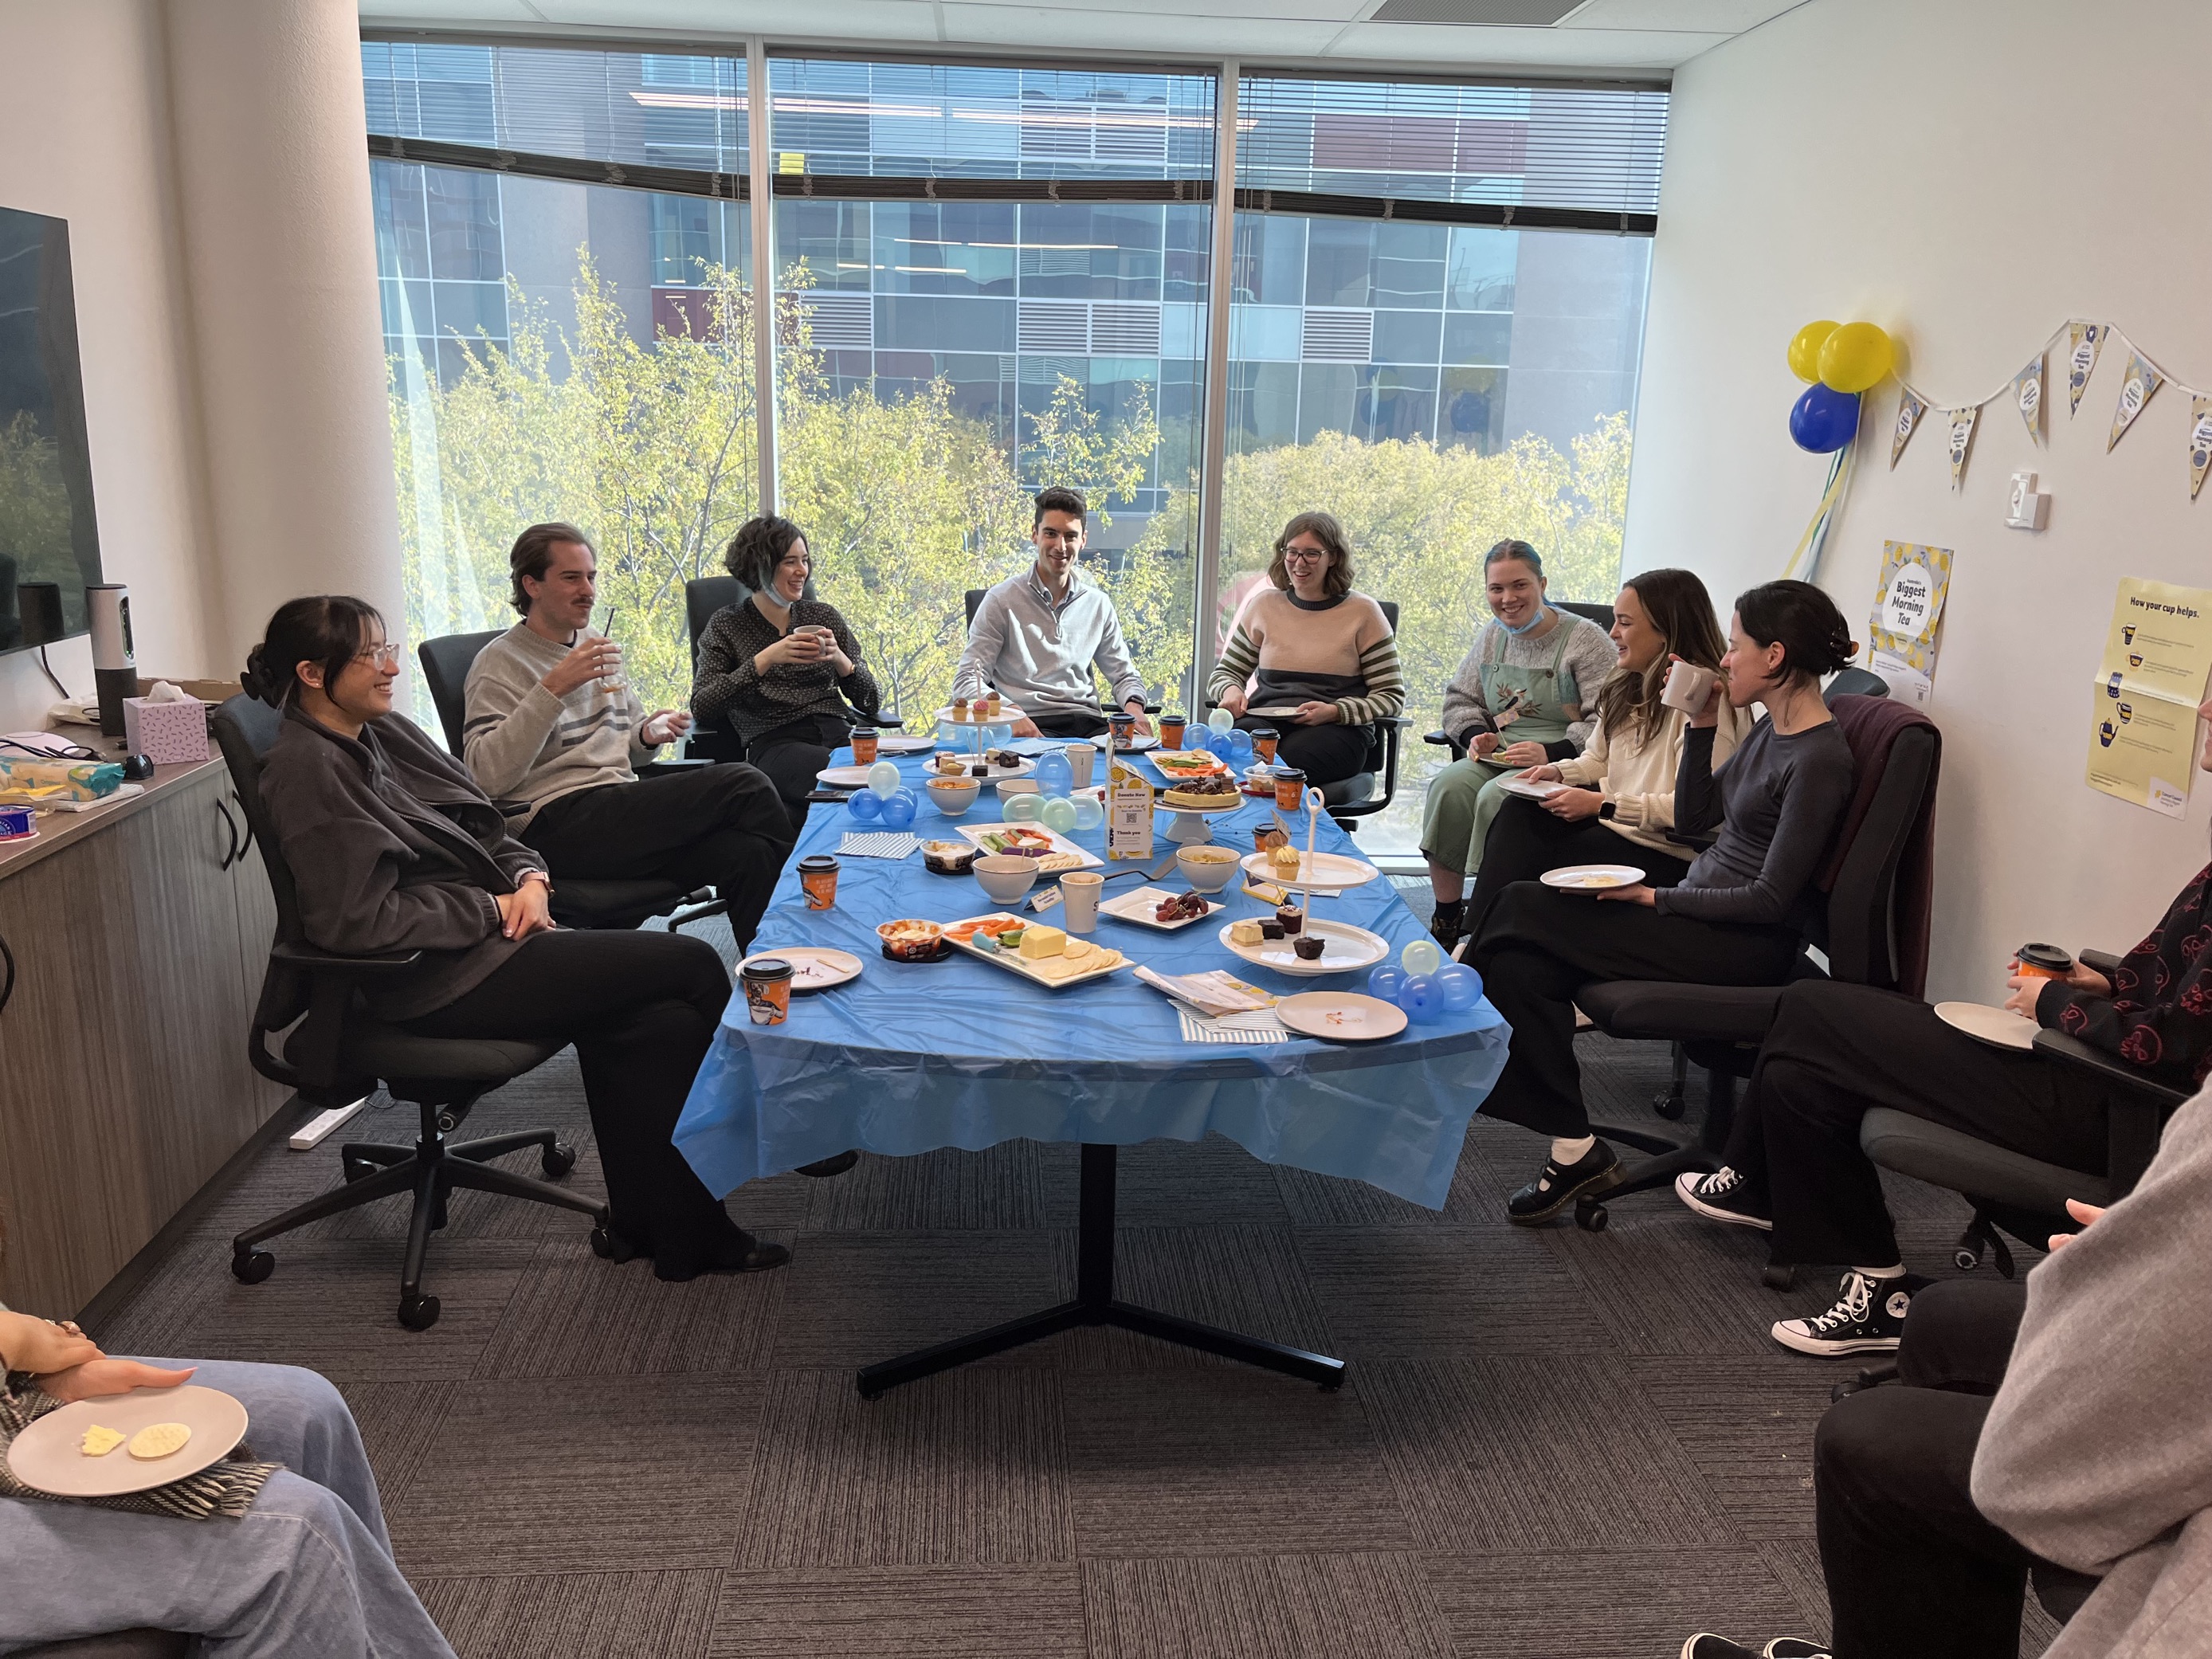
(1638, 778)
(525, 744)
(2097, 1452)
(1039, 653)
(1590, 656)
(1343, 645)
(2159, 1014)
(727, 687)
(1777, 804)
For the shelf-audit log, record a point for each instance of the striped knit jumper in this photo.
(1340, 651)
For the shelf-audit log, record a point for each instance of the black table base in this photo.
(1094, 1304)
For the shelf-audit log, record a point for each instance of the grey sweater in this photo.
(1040, 656)
(525, 744)
(1590, 656)
(1777, 803)
(2097, 1453)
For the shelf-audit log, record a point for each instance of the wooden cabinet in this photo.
(139, 940)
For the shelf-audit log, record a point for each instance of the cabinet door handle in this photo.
(8, 984)
(244, 829)
(236, 852)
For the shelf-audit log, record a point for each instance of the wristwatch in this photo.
(1607, 811)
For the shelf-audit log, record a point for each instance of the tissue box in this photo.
(166, 732)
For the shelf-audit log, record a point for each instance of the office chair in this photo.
(974, 597)
(140, 1643)
(339, 1052)
(1720, 1027)
(575, 903)
(1349, 799)
(1600, 614)
(702, 596)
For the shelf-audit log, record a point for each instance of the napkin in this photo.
(883, 844)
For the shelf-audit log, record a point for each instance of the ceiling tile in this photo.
(1441, 45)
(1047, 27)
(1706, 16)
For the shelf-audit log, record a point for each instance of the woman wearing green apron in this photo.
(1522, 698)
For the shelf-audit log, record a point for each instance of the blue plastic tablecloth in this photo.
(912, 1056)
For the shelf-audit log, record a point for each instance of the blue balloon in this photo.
(898, 809)
(866, 806)
(1460, 985)
(1384, 982)
(1422, 1000)
(1000, 735)
(1054, 777)
(1240, 744)
(1825, 420)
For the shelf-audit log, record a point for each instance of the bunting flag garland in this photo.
(2140, 385)
(1962, 440)
(2200, 442)
(2027, 397)
(1910, 407)
(2083, 342)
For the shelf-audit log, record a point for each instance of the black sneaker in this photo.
(1595, 1172)
(1719, 1197)
(1447, 924)
(1706, 1645)
(1794, 1647)
(1869, 1317)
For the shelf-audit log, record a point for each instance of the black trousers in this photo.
(1525, 840)
(642, 1009)
(1326, 754)
(1914, 1571)
(721, 826)
(793, 754)
(1540, 947)
(1082, 724)
(1833, 1051)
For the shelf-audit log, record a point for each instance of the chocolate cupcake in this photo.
(1271, 929)
(1309, 946)
(1292, 919)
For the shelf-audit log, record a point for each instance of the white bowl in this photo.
(1005, 876)
(953, 796)
(1207, 868)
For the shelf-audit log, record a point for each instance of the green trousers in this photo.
(1463, 799)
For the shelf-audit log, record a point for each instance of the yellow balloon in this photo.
(1857, 357)
(1805, 349)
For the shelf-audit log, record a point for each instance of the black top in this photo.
(1777, 801)
(725, 687)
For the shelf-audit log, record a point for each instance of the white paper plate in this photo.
(1342, 1016)
(1533, 791)
(1330, 873)
(49, 1455)
(898, 742)
(2000, 1028)
(1272, 714)
(845, 777)
(1591, 877)
(813, 967)
(1348, 948)
(1138, 907)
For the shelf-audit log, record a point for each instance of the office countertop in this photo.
(58, 830)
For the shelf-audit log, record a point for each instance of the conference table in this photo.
(910, 1057)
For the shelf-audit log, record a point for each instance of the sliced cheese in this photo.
(99, 1442)
(158, 1440)
(1040, 941)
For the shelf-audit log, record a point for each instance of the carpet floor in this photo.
(1553, 1444)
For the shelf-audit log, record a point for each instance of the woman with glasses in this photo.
(1310, 659)
(392, 848)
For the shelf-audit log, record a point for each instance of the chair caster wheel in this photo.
(1779, 1279)
(1591, 1217)
(1670, 1106)
(558, 1160)
(418, 1313)
(251, 1267)
(1965, 1260)
(357, 1169)
(608, 1248)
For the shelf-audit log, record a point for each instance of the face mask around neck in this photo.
(1535, 622)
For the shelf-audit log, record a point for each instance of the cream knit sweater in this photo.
(1639, 778)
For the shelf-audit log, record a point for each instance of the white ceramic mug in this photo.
(1688, 686)
(1080, 756)
(1079, 890)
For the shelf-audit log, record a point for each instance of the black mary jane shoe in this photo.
(742, 1253)
(1595, 1172)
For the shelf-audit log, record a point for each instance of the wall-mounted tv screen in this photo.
(47, 532)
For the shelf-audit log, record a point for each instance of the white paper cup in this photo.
(1078, 892)
(1079, 759)
(1688, 686)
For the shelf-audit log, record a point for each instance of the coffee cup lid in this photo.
(2047, 957)
(818, 861)
(767, 967)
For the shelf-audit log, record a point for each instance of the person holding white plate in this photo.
(306, 1568)
(1618, 801)
(1523, 697)
(1736, 917)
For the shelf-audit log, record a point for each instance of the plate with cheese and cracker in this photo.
(1050, 956)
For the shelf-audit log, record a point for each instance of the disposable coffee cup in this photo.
(1079, 889)
(1290, 788)
(1263, 742)
(768, 990)
(818, 879)
(864, 745)
(1688, 686)
(1171, 731)
(2043, 962)
(1080, 758)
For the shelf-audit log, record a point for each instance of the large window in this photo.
(987, 279)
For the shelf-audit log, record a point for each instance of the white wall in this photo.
(1968, 174)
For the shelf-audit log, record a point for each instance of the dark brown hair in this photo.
(1336, 581)
(1680, 612)
(1059, 499)
(1815, 639)
(323, 629)
(1511, 548)
(533, 554)
(758, 547)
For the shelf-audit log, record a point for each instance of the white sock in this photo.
(1898, 1272)
(1565, 1151)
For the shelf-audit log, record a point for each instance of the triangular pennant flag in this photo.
(1911, 406)
(2200, 443)
(2083, 342)
(2140, 385)
(2027, 397)
(1962, 440)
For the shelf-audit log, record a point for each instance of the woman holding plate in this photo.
(1518, 700)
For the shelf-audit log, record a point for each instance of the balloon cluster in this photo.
(1839, 361)
(1231, 742)
(885, 801)
(1426, 986)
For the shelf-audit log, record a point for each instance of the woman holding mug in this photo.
(1317, 659)
(1518, 701)
(778, 666)
(1620, 792)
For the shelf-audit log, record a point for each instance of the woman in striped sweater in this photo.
(1310, 659)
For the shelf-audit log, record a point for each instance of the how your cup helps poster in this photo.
(2143, 737)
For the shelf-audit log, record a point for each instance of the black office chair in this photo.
(974, 597)
(339, 1052)
(1600, 614)
(1720, 1027)
(575, 903)
(702, 596)
(1350, 799)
